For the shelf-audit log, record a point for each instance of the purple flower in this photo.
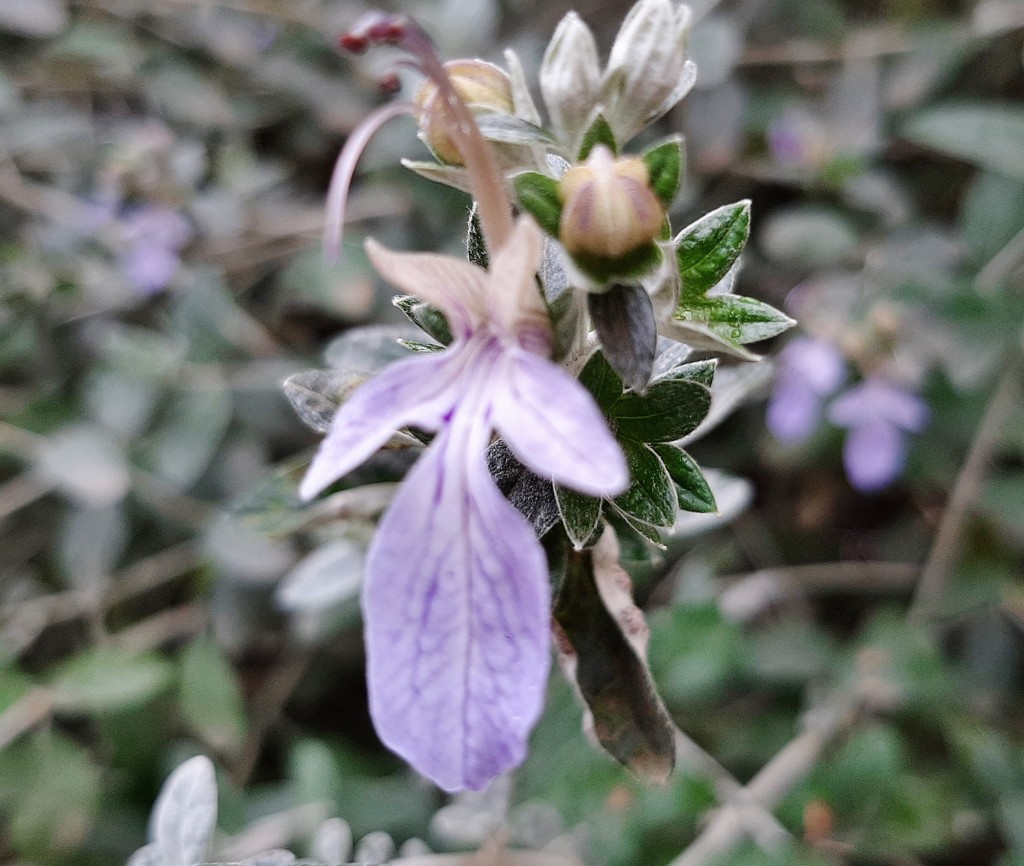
(456, 602)
(878, 414)
(809, 371)
(154, 236)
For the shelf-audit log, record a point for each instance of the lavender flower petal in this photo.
(456, 606)
(873, 455)
(419, 390)
(554, 427)
(880, 400)
(793, 410)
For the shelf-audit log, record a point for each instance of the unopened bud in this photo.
(609, 209)
(484, 87)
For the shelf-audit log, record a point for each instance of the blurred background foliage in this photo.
(162, 171)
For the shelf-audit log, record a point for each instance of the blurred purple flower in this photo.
(809, 371)
(153, 237)
(878, 415)
(457, 602)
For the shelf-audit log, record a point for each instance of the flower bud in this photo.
(570, 79)
(484, 87)
(609, 209)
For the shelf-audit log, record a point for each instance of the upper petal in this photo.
(456, 608)
(554, 426)
(419, 390)
(455, 287)
(513, 295)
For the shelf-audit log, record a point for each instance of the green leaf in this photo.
(670, 409)
(599, 133)
(989, 135)
(651, 498)
(709, 247)
(211, 698)
(632, 265)
(591, 609)
(107, 679)
(428, 319)
(580, 515)
(623, 317)
(538, 195)
(692, 488)
(601, 381)
(733, 318)
(665, 166)
(701, 372)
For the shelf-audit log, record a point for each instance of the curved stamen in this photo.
(344, 169)
(486, 181)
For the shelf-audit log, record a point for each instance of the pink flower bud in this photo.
(484, 87)
(609, 207)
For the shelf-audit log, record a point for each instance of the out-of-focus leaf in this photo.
(39, 19)
(604, 641)
(106, 679)
(808, 236)
(375, 849)
(365, 350)
(665, 166)
(183, 94)
(989, 135)
(732, 496)
(90, 543)
(85, 464)
(346, 289)
(58, 800)
(624, 320)
(183, 446)
(316, 394)
(508, 129)
(185, 813)
(733, 385)
(244, 554)
(993, 212)
(332, 842)
(211, 697)
(326, 577)
(430, 319)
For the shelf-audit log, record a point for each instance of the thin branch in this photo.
(946, 546)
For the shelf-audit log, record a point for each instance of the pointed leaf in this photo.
(211, 697)
(665, 165)
(476, 243)
(624, 319)
(692, 487)
(538, 195)
(990, 135)
(598, 133)
(701, 372)
(601, 381)
(604, 641)
(651, 497)
(316, 394)
(735, 319)
(708, 248)
(509, 129)
(580, 515)
(426, 317)
(185, 813)
(107, 679)
(670, 409)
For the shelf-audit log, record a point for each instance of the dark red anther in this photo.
(388, 29)
(353, 42)
(390, 84)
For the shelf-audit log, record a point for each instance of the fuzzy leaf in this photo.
(211, 697)
(708, 248)
(185, 813)
(508, 129)
(624, 319)
(426, 317)
(670, 409)
(580, 515)
(476, 243)
(735, 319)
(316, 394)
(651, 497)
(599, 133)
(603, 644)
(665, 165)
(601, 381)
(538, 195)
(530, 494)
(692, 488)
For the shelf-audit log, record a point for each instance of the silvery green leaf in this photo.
(181, 93)
(651, 497)
(374, 848)
(522, 100)
(717, 46)
(211, 697)
(316, 394)
(570, 78)
(91, 541)
(988, 134)
(508, 129)
(273, 857)
(707, 249)
(332, 842)
(367, 349)
(185, 813)
(328, 576)
(147, 855)
(665, 165)
(809, 236)
(413, 847)
(530, 494)
(107, 678)
(580, 514)
(669, 355)
(243, 554)
(698, 336)
(85, 464)
(180, 450)
(449, 175)
(427, 318)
